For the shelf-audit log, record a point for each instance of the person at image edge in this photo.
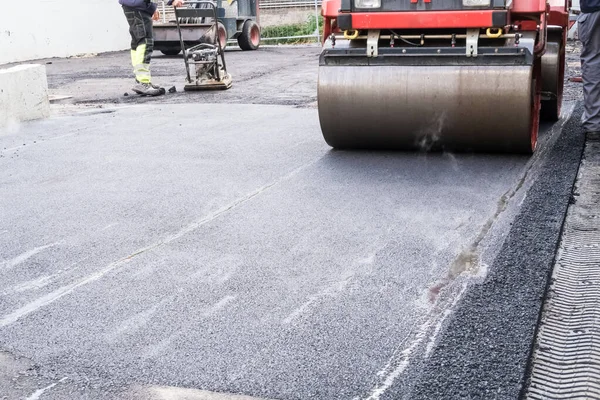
(589, 35)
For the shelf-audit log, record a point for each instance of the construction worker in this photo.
(589, 35)
(139, 14)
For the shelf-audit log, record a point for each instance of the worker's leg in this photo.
(142, 45)
(135, 32)
(589, 34)
(143, 54)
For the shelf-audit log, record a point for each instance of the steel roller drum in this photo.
(458, 108)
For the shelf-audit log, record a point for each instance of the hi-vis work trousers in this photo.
(142, 43)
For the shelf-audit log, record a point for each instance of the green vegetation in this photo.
(307, 28)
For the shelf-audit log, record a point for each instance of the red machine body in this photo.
(527, 13)
(463, 74)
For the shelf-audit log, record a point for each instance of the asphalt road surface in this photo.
(225, 248)
(284, 75)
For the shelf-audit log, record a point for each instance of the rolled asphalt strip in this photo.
(485, 350)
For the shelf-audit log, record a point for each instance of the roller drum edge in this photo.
(455, 108)
(552, 80)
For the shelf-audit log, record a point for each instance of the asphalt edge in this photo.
(486, 348)
(575, 117)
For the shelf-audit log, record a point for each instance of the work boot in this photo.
(148, 89)
(157, 87)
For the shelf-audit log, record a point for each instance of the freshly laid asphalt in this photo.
(227, 248)
(486, 348)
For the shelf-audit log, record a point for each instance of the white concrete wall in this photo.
(60, 28)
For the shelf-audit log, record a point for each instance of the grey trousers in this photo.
(589, 34)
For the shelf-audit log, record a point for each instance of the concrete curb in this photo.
(23, 94)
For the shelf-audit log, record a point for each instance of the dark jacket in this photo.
(139, 5)
(589, 6)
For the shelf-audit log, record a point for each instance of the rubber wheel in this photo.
(249, 39)
(171, 52)
(222, 32)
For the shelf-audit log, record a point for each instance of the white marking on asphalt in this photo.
(42, 281)
(300, 310)
(134, 323)
(65, 290)
(438, 326)
(36, 395)
(25, 256)
(368, 260)
(218, 306)
(330, 291)
(57, 294)
(156, 350)
(109, 226)
(405, 356)
(389, 374)
(176, 393)
(223, 278)
(33, 284)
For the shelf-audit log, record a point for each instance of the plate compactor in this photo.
(457, 75)
(206, 58)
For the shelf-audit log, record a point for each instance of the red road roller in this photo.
(453, 75)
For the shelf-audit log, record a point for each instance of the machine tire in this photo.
(536, 105)
(550, 110)
(171, 52)
(249, 39)
(222, 32)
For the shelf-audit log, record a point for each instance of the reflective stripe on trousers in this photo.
(141, 69)
(142, 42)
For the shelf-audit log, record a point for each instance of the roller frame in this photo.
(421, 56)
(543, 20)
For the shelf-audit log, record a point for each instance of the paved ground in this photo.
(272, 75)
(225, 247)
(573, 90)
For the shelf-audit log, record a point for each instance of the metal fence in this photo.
(266, 4)
(290, 21)
(282, 21)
